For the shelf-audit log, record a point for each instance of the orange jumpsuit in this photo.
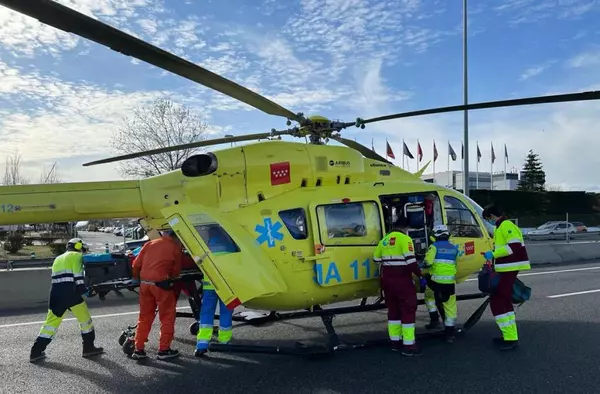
(159, 260)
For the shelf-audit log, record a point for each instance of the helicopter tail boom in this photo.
(62, 202)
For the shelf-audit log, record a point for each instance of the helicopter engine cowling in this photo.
(200, 165)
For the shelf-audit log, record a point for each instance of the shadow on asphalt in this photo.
(553, 357)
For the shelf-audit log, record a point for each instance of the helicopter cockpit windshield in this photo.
(479, 210)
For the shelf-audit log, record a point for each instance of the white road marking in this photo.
(572, 294)
(72, 318)
(549, 272)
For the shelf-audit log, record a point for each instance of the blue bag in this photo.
(521, 292)
(487, 279)
(98, 258)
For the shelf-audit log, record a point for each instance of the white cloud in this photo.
(338, 58)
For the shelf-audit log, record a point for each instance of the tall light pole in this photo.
(466, 174)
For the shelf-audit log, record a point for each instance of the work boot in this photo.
(449, 334)
(509, 345)
(139, 355)
(498, 341)
(38, 349)
(89, 350)
(200, 352)
(410, 351)
(434, 321)
(396, 346)
(167, 354)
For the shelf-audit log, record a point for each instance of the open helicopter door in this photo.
(238, 270)
(465, 230)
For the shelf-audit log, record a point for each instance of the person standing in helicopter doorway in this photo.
(219, 244)
(395, 253)
(441, 261)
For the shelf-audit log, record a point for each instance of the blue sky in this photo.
(62, 97)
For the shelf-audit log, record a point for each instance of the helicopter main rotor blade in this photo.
(366, 152)
(559, 98)
(191, 145)
(69, 20)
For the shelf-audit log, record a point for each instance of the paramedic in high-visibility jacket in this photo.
(441, 260)
(510, 257)
(395, 253)
(66, 294)
(219, 244)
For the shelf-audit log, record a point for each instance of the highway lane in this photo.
(560, 337)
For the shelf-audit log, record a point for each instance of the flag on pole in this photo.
(462, 151)
(435, 152)
(478, 153)
(451, 152)
(493, 155)
(419, 152)
(372, 146)
(406, 152)
(505, 153)
(389, 152)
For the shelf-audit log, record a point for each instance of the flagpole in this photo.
(449, 181)
(491, 166)
(417, 155)
(505, 187)
(477, 167)
(466, 185)
(434, 181)
(402, 153)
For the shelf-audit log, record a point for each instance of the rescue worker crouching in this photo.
(510, 257)
(441, 261)
(395, 252)
(219, 245)
(157, 265)
(66, 294)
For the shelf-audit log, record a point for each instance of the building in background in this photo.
(454, 179)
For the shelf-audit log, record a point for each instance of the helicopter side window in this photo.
(352, 224)
(216, 238)
(460, 220)
(295, 222)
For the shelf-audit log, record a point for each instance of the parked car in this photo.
(581, 228)
(553, 228)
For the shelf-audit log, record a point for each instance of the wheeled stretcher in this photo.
(112, 272)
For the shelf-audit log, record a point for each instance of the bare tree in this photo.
(50, 176)
(12, 172)
(162, 124)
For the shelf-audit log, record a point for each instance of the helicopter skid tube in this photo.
(334, 344)
(317, 311)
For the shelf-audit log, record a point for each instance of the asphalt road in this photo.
(559, 331)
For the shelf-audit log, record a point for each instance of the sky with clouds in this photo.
(62, 97)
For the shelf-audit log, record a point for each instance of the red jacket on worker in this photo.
(159, 259)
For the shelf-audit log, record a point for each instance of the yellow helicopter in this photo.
(304, 218)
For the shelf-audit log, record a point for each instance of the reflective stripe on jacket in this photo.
(441, 257)
(509, 252)
(397, 249)
(67, 282)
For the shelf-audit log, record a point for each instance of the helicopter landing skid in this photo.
(334, 343)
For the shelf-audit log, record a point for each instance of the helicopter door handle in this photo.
(318, 257)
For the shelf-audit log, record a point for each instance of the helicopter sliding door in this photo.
(346, 231)
(225, 253)
(465, 231)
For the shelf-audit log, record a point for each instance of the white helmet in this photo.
(441, 229)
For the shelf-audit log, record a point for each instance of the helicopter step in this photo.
(334, 343)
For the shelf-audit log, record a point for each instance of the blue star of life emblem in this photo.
(269, 232)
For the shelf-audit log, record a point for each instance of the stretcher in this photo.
(112, 272)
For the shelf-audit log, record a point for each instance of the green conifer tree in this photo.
(533, 177)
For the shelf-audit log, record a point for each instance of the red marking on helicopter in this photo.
(280, 173)
(469, 247)
(233, 304)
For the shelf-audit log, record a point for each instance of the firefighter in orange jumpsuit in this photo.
(156, 267)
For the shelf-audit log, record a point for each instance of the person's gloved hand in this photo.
(488, 255)
(423, 283)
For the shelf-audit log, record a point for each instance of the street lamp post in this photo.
(466, 174)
